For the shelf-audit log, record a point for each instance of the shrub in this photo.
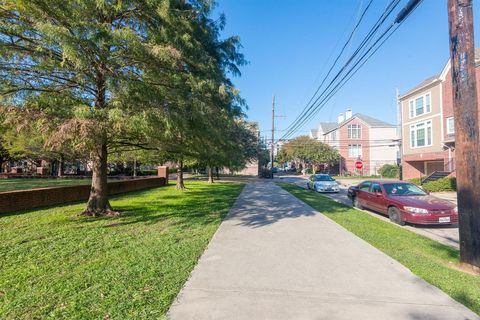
(389, 171)
(416, 181)
(147, 172)
(443, 184)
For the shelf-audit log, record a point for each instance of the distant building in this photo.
(428, 125)
(359, 137)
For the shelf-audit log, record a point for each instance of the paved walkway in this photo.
(274, 257)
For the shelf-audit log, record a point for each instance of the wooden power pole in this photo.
(467, 143)
(272, 146)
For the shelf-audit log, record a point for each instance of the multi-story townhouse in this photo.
(428, 132)
(360, 137)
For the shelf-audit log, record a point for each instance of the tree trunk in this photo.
(210, 175)
(98, 204)
(217, 170)
(134, 167)
(60, 167)
(180, 184)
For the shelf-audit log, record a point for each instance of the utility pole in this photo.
(467, 144)
(272, 146)
(400, 134)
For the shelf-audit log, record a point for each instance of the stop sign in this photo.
(358, 164)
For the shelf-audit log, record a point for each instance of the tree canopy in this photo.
(102, 76)
(307, 150)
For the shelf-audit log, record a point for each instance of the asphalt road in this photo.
(444, 234)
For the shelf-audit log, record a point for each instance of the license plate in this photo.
(444, 219)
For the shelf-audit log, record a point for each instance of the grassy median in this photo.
(428, 259)
(56, 264)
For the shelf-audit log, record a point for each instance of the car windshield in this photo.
(323, 178)
(403, 189)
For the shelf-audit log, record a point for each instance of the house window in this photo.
(421, 134)
(450, 126)
(354, 131)
(420, 105)
(354, 150)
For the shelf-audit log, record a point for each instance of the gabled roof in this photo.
(371, 122)
(328, 126)
(438, 77)
(422, 84)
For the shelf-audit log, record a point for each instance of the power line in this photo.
(366, 41)
(311, 111)
(336, 59)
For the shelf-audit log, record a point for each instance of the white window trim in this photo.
(411, 105)
(350, 131)
(407, 124)
(360, 149)
(450, 130)
(427, 124)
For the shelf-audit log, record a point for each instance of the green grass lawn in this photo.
(428, 259)
(24, 184)
(56, 264)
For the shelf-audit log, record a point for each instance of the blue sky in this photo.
(291, 44)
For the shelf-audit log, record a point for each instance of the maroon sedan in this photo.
(403, 202)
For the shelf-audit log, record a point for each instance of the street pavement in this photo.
(274, 257)
(445, 234)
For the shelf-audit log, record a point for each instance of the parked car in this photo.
(322, 183)
(403, 202)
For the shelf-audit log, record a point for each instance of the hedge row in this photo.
(443, 184)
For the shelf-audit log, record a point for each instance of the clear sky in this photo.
(290, 44)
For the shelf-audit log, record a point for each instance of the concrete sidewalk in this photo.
(274, 257)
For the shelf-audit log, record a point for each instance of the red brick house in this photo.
(360, 137)
(428, 133)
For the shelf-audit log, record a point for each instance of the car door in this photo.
(363, 193)
(376, 198)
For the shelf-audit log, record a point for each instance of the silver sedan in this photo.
(322, 183)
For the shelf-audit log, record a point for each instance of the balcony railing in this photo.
(449, 166)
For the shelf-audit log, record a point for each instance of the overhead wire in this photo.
(338, 56)
(366, 54)
(366, 40)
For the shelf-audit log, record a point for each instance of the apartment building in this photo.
(428, 131)
(359, 137)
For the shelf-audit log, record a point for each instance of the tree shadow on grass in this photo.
(203, 205)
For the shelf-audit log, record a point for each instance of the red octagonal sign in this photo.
(358, 164)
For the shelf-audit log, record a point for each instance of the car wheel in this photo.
(315, 188)
(395, 216)
(308, 186)
(356, 203)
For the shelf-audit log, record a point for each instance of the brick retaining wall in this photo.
(11, 201)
